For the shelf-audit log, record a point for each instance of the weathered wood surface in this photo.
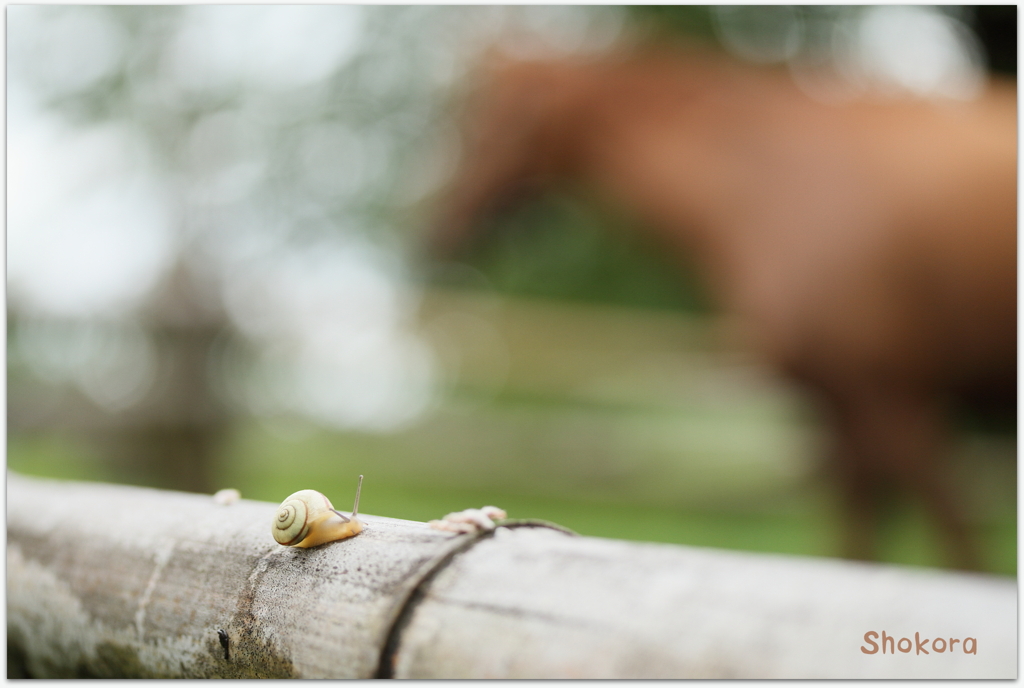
(538, 604)
(117, 581)
(106, 580)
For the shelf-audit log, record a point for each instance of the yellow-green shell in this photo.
(295, 516)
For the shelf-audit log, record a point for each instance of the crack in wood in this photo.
(386, 666)
(464, 543)
(517, 612)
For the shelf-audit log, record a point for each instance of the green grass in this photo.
(268, 466)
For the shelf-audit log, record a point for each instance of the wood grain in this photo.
(114, 581)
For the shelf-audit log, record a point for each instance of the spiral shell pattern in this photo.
(295, 516)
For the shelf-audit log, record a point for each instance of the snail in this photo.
(307, 519)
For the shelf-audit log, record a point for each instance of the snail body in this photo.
(307, 519)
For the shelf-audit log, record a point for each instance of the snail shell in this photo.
(307, 519)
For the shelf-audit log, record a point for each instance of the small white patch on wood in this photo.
(469, 520)
(227, 496)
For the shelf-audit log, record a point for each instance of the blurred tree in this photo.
(996, 26)
(240, 180)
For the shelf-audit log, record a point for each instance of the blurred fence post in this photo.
(117, 581)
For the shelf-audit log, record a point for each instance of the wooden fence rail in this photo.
(107, 580)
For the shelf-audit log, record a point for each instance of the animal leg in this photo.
(896, 439)
(861, 491)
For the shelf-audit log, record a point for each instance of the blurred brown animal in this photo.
(868, 250)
